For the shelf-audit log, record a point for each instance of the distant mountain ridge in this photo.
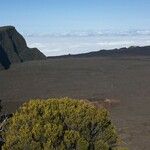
(131, 51)
(13, 48)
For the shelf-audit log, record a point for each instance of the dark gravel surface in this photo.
(126, 80)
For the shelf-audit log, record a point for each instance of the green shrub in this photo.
(60, 124)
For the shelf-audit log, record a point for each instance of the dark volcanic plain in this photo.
(125, 79)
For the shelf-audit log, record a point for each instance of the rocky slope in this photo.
(131, 51)
(13, 48)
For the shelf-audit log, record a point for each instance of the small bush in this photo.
(60, 124)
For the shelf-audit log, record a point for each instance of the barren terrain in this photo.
(124, 80)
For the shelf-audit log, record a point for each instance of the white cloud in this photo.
(40, 45)
(77, 43)
(92, 33)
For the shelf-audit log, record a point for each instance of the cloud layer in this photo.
(84, 41)
(92, 33)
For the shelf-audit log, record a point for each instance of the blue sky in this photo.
(48, 17)
(58, 15)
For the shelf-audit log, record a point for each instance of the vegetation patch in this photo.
(60, 124)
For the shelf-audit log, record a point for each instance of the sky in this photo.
(52, 24)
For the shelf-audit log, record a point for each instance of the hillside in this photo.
(13, 48)
(131, 51)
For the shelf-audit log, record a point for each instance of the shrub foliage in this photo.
(60, 124)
